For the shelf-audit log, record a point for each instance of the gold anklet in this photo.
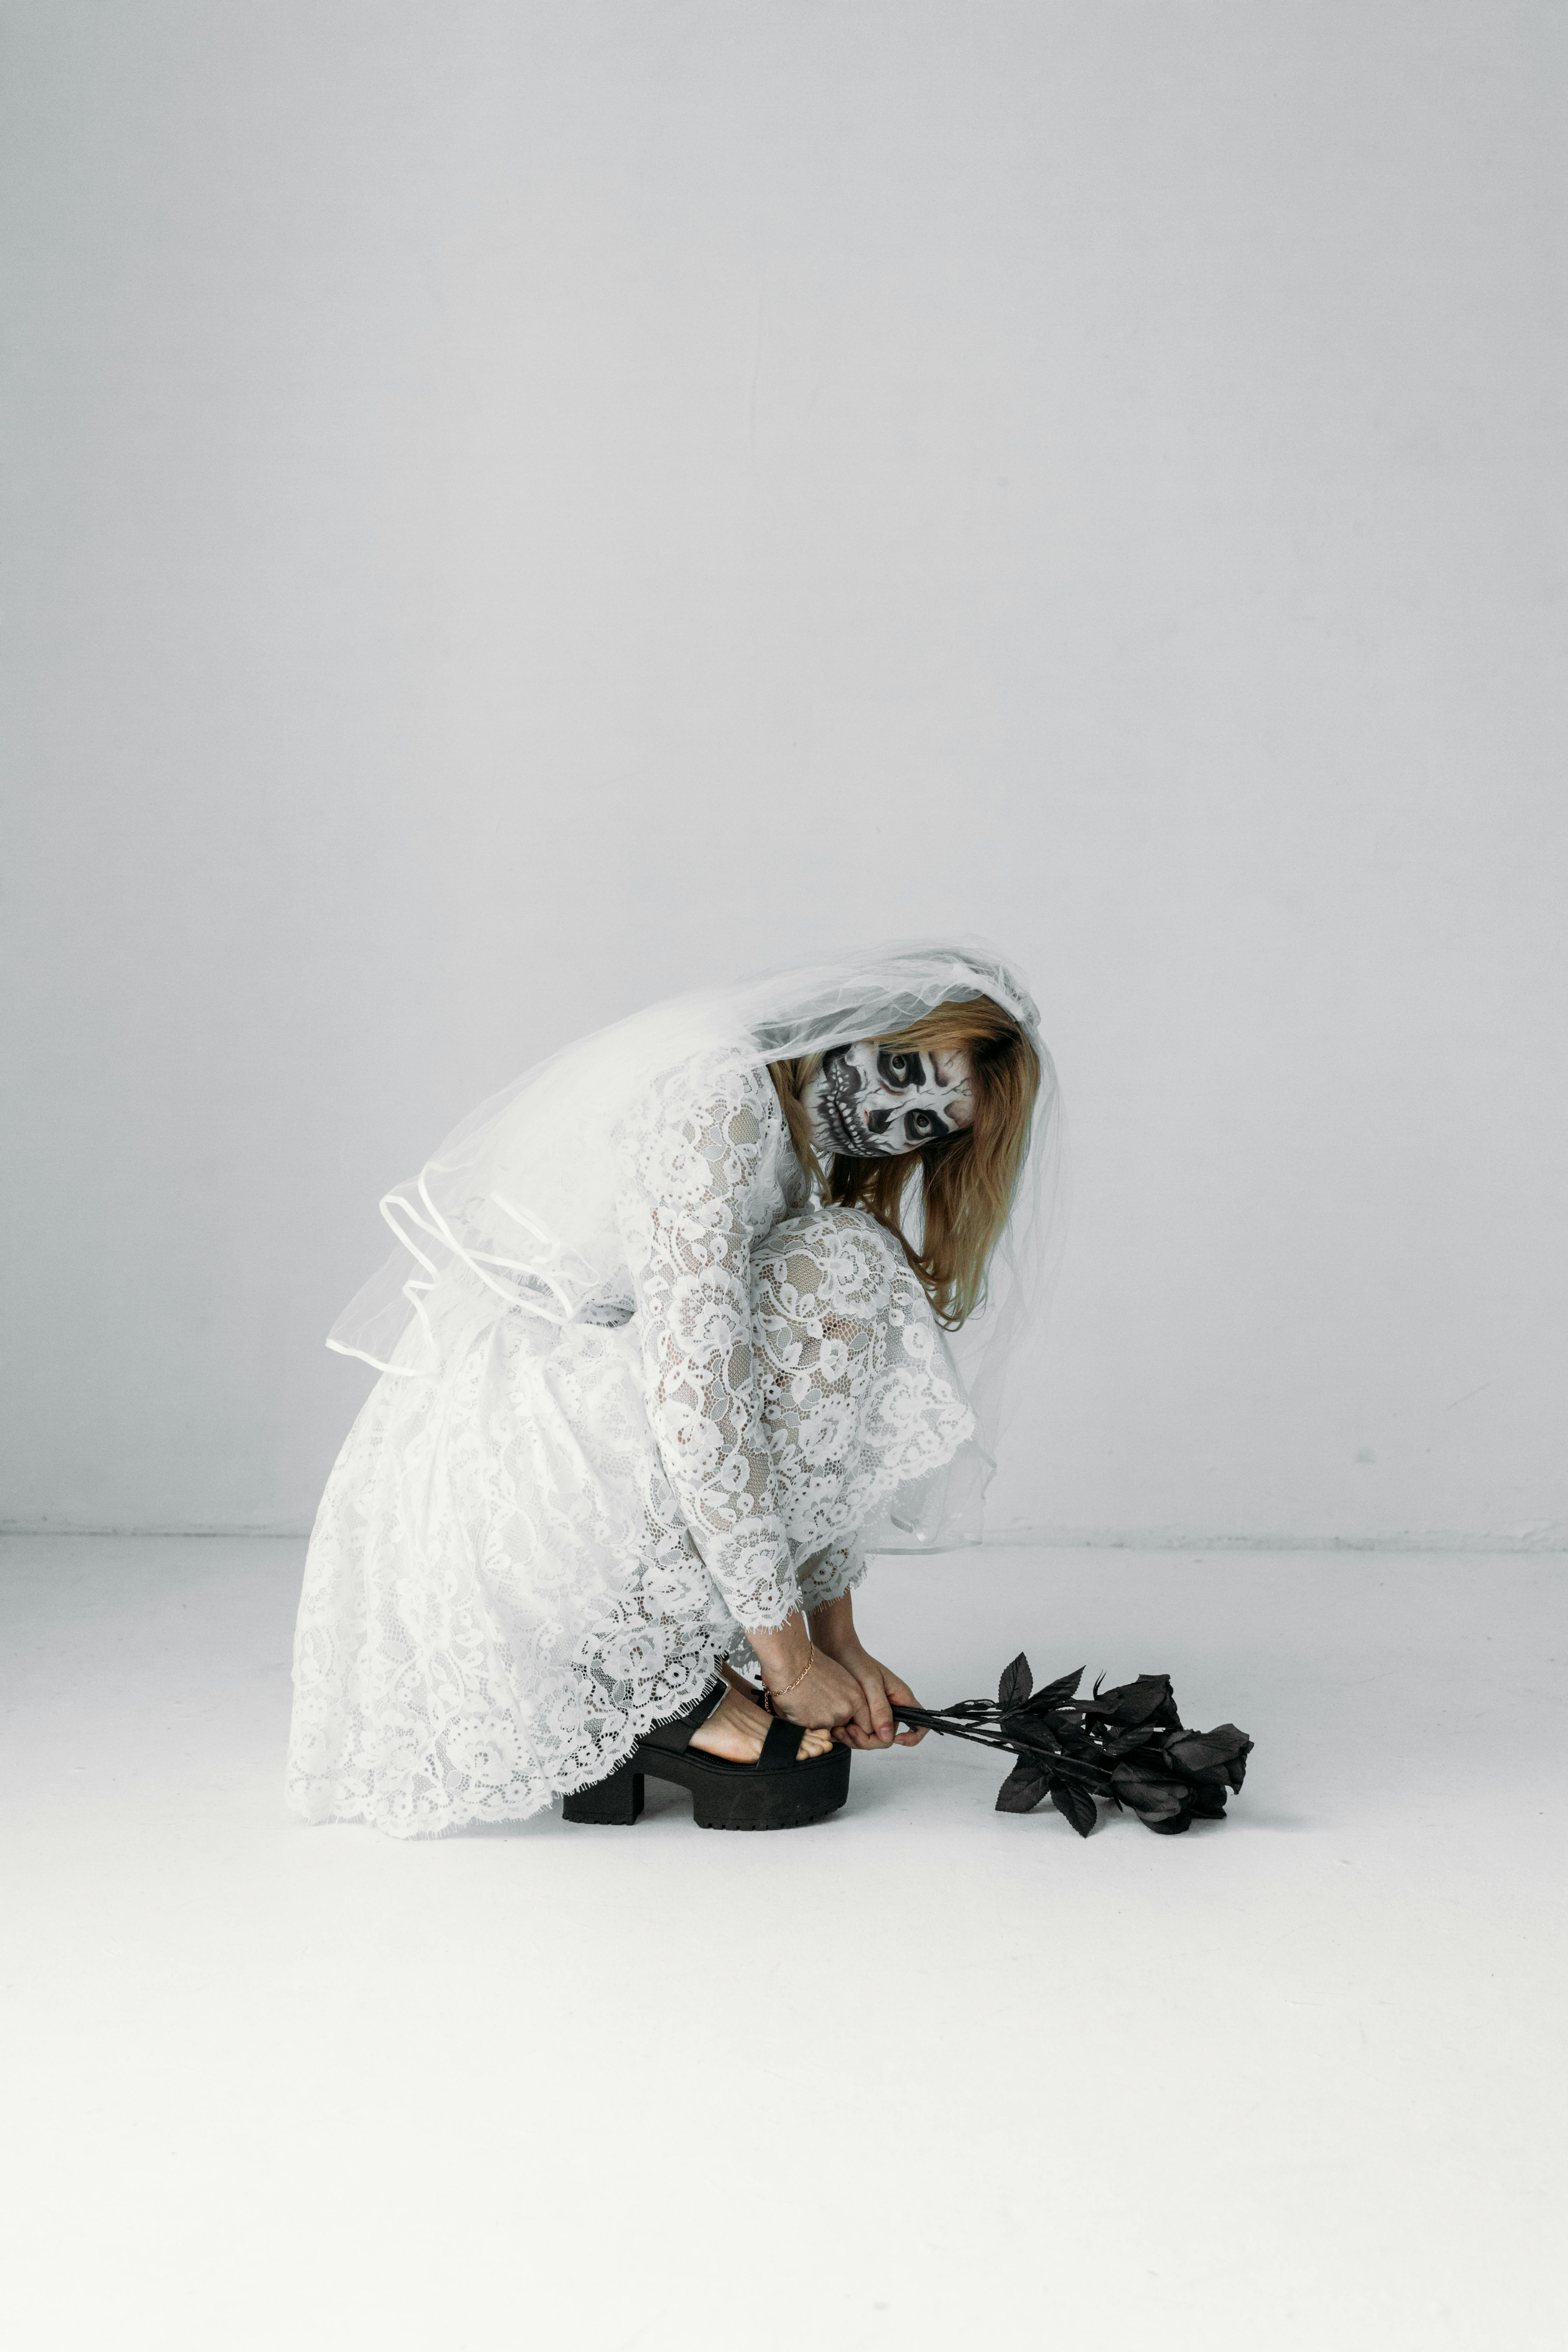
(799, 1678)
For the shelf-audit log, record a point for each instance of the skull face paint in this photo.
(872, 1102)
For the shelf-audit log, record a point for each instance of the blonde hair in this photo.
(967, 1179)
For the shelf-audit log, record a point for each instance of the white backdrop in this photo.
(518, 508)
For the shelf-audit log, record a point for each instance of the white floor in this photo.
(926, 2075)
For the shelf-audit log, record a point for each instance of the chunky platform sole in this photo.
(724, 1796)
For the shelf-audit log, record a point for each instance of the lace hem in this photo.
(840, 1569)
(614, 1745)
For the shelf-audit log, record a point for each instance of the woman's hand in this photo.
(833, 1630)
(807, 1686)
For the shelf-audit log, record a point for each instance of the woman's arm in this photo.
(832, 1628)
(688, 1167)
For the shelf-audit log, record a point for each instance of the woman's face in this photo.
(873, 1103)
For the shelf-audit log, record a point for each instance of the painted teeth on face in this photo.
(842, 1082)
(871, 1101)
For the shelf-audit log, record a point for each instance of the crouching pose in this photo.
(679, 1328)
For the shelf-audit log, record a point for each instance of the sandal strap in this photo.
(675, 1737)
(781, 1745)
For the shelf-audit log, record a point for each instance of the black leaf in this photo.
(1051, 1694)
(1034, 1738)
(1140, 1739)
(1015, 1684)
(1022, 1789)
(1076, 1804)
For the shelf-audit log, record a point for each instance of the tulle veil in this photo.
(515, 1213)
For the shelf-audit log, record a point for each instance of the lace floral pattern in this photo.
(703, 1182)
(523, 1563)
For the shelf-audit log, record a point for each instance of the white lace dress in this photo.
(524, 1560)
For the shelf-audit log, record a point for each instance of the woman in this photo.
(664, 1345)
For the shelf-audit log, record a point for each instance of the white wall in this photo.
(519, 508)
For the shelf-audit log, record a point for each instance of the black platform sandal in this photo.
(779, 1791)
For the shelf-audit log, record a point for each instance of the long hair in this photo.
(963, 1184)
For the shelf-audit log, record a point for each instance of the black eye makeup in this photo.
(900, 1070)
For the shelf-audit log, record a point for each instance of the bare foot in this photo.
(736, 1730)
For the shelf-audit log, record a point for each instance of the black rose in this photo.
(1212, 1760)
(1161, 1802)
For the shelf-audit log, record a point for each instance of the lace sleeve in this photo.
(689, 1164)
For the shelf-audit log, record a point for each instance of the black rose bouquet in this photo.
(1126, 1746)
